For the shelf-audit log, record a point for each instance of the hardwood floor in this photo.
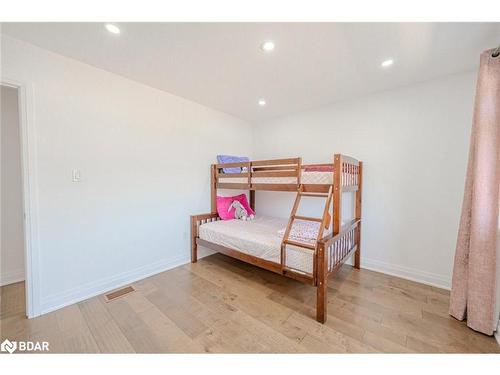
(222, 305)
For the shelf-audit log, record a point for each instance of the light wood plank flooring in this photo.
(223, 305)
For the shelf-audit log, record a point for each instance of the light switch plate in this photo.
(76, 175)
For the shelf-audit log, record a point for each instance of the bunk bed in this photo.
(312, 262)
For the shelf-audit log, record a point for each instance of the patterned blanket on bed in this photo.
(302, 231)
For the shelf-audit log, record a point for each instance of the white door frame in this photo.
(30, 197)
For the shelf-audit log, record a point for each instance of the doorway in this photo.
(12, 233)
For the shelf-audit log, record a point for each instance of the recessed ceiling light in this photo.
(268, 46)
(262, 102)
(112, 28)
(387, 63)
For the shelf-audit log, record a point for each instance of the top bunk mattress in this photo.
(259, 237)
(306, 177)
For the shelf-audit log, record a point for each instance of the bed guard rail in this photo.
(336, 249)
(348, 174)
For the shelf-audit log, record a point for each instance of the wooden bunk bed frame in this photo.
(330, 251)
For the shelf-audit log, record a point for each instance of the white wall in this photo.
(12, 233)
(144, 157)
(414, 144)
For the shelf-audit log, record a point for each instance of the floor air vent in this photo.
(118, 293)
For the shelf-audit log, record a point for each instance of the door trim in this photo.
(30, 196)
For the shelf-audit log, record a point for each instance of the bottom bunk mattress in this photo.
(259, 237)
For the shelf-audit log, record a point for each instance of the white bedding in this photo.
(259, 238)
(306, 178)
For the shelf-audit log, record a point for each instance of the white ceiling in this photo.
(222, 66)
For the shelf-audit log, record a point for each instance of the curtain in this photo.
(474, 281)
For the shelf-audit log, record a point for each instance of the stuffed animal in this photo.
(239, 211)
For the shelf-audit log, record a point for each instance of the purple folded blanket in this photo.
(224, 159)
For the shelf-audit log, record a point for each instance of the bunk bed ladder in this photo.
(324, 220)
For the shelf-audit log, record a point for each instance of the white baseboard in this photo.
(11, 277)
(407, 273)
(72, 296)
(60, 300)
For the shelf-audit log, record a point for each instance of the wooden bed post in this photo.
(321, 288)
(252, 199)
(357, 255)
(213, 208)
(321, 269)
(337, 193)
(194, 246)
(213, 189)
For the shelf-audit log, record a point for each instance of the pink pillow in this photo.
(223, 204)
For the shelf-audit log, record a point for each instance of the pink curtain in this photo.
(474, 281)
